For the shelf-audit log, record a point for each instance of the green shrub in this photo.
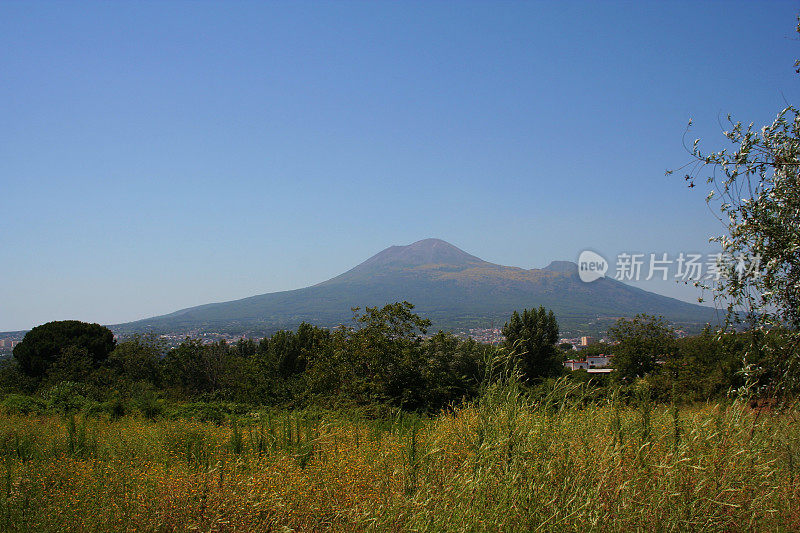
(215, 412)
(23, 404)
(149, 404)
(67, 397)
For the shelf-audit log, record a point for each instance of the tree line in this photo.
(384, 358)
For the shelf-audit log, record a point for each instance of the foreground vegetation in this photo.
(505, 462)
(377, 427)
(384, 360)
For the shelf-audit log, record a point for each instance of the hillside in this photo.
(451, 287)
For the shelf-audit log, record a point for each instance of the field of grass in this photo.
(505, 463)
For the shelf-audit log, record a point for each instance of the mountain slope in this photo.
(451, 287)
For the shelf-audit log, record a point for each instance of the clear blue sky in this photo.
(155, 156)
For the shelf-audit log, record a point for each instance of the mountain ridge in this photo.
(453, 288)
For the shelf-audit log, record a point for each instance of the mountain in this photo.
(454, 289)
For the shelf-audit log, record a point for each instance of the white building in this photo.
(575, 364)
(595, 364)
(598, 361)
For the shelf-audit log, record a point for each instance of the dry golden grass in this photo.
(504, 464)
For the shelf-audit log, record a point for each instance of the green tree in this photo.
(139, 359)
(282, 361)
(285, 352)
(452, 369)
(531, 339)
(597, 348)
(195, 368)
(13, 380)
(388, 342)
(395, 321)
(73, 364)
(707, 365)
(245, 347)
(642, 343)
(377, 361)
(44, 345)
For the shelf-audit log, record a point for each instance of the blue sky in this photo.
(155, 156)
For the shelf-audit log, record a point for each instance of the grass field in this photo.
(505, 463)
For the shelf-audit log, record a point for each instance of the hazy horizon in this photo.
(162, 156)
(643, 284)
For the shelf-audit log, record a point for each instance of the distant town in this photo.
(492, 335)
(8, 344)
(495, 336)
